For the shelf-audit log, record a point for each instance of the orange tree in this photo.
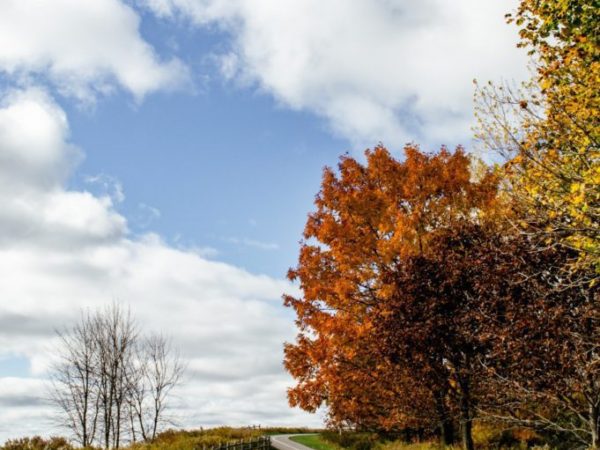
(370, 222)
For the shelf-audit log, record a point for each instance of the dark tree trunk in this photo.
(446, 424)
(595, 426)
(447, 429)
(466, 421)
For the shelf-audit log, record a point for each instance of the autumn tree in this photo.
(544, 360)
(549, 129)
(345, 372)
(370, 222)
(438, 317)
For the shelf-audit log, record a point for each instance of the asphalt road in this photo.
(283, 442)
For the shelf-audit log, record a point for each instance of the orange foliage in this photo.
(370, 219)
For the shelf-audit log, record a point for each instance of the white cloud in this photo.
(390, 70)
(34, 152)
(22, 405)
(83, 47)
(109, 186)
(247, 242)
(63, 250)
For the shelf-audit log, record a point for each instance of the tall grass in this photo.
(168, 440)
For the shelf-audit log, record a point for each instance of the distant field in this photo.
(314, 441)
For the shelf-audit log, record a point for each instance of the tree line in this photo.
(437, 290)
(110, 382)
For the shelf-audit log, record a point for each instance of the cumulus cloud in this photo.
(390, 70)
(83, 47)
(63, 250)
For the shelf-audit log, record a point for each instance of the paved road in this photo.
(283, 442)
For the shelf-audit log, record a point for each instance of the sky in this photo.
(164, 154)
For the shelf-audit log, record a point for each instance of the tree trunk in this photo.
(132, 425)
(447, 430)
(467, 437)
(595, 425)
(445, 420)
(466, 421)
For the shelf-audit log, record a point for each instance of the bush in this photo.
(495, 437)
(352, 440)
(37, 443)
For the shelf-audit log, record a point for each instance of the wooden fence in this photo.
(260, 443)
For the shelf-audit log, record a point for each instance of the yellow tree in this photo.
(550, 129)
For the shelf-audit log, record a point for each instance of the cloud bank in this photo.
(63, 250)
(383, 70)
(83, 48)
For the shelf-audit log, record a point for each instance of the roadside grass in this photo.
(317, 442)
(419, 446)
(314, 441)
(486, 436)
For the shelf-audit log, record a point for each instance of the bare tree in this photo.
(110, 382)
(116, 336)
(159, 370)
(75, 382)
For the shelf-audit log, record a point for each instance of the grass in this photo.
(418, 446)
(315, 441)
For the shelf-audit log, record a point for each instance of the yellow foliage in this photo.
(550, 128)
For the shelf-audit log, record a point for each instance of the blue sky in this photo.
(230, 169)
(223, 167)
(165, 153)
